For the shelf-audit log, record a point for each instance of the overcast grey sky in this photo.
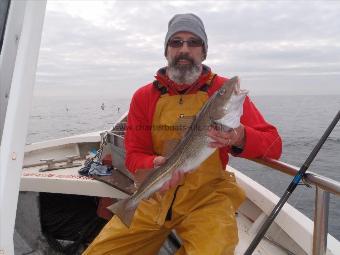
(114, 47)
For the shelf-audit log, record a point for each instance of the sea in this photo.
(300, 119)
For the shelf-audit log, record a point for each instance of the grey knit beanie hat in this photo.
(187, 22)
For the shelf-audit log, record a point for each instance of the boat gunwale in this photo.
(309, 178)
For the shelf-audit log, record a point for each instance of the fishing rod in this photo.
(291, 187)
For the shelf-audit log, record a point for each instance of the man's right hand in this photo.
(177, 176)
(158, 161)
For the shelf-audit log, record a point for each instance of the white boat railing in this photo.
(324, 186)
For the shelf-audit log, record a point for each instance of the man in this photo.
(199, 205)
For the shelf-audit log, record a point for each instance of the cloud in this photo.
(118, 45)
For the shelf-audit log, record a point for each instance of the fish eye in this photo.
(222, 91)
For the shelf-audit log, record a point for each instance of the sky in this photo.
(114, 47)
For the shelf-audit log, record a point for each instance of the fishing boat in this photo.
(43, 196)
(292, 232)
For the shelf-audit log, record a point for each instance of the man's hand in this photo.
(233, 137)
(158, 161)
(177, 176)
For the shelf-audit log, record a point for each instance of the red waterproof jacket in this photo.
(262, 138)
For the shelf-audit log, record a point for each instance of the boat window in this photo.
(4, 7)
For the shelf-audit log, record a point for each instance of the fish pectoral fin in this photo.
(125, 210)
(141, 175)
(220, 127)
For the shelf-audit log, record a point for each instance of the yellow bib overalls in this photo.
(201, 209)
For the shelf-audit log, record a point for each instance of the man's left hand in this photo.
(233, 137)
(177, 178)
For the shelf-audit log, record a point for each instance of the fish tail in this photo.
(124, 210)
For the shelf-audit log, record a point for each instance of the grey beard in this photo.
(184, 75)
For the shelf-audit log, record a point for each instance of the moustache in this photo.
(183, 57)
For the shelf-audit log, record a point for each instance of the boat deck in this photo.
(266, 247)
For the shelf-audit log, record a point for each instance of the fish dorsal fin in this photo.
(141, 175)
(169, 147)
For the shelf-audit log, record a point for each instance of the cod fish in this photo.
(223, 108)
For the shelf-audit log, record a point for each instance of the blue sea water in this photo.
(301, 121)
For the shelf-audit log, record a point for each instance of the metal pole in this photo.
(327, 184)
(320, 222)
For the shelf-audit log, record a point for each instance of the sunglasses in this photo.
(177, 43)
